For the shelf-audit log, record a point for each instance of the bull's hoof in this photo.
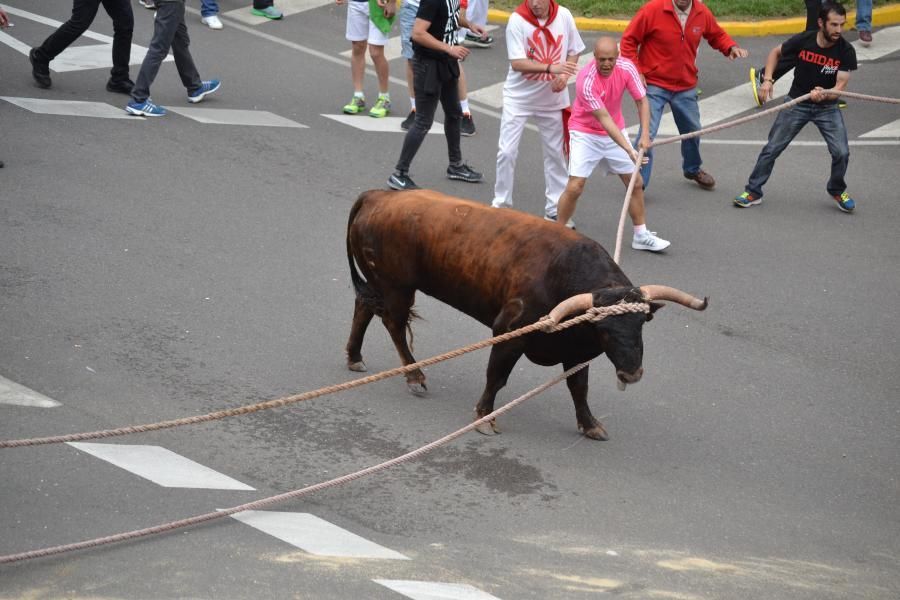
(597, 432)
(358, 366)
(489, 428)
(417, 389)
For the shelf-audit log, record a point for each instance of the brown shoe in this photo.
(703, 179)
(865, 38)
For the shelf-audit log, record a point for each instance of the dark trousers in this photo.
(262, 4)
(788, 123)
(785, 64)
(426, 106)
(169, 31)
(83, 14)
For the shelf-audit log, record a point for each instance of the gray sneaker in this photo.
(401, 181)
(464, 173)
(570, 223)
(649, 241)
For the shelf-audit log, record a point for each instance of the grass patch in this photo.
(730, 10)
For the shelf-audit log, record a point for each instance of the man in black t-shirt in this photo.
(436, 57)
(824, 61)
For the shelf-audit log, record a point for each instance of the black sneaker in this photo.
(408, 121)
(401, 181)
(479, 42)
(466, 125)
(120, 87)
(39, 70)
(464, 173)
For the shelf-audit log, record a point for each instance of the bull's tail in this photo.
(365, 292)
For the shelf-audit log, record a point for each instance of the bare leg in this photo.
(358, 64)
(636, 205)
(381, 67)
(569, 198)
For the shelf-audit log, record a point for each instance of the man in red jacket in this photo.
(662, 40)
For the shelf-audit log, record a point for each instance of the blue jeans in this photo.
(209, 8)
(864, 15)
(788, 123)
(686, 112)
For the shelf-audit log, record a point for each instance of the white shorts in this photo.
(360, 27)
(589, 151)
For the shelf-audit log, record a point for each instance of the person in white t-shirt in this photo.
(543, 45)
(596, 138)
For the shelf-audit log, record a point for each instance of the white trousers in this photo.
(549, 124)
(476, 13)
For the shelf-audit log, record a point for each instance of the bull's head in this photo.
(620, 335)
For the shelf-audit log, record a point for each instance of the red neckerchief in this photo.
(525, 12)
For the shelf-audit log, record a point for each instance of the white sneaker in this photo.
(650, 242)
(212, 21)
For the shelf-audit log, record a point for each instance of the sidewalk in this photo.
(885, 15)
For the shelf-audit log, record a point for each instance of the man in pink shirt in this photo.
(596, 138)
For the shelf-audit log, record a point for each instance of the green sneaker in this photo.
(355, 106)
(381, 109)
(269, 12)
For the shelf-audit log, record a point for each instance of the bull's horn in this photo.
(664, 292)
(579, 303)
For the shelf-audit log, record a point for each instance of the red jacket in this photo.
(666, 55)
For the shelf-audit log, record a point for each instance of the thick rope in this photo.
(265, 502)
(544, 324)
(715, 128)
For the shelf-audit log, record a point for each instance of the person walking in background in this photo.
(265, 8)
(662, 39)
(436, 56)
(542, 44)
(476, 12)
(363, 32)
(824, 60)
(596, 138)
(169, 31)
(864, 21)
(83, 14)
(209, 14)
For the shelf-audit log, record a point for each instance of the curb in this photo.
(886, 15)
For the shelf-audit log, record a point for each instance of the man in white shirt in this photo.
(543, 45)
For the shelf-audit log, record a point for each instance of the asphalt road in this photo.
(153, 269)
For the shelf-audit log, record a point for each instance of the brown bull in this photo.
(504, 268)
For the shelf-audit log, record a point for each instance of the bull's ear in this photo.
(654, 306)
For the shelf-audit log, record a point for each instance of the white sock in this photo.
(385, 95)
(464, 105)
(358, 95)
(640, 230)
(412, 104)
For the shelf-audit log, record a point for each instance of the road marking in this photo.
(891, 130)
(383, 125)
(76, 108)
(14, 393)
(288, 7)
(229, 116)
(434, 590)
(162, 467)
(74, 58)
(314, 535)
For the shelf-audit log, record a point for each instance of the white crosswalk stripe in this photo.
(891, 130)
(383, 125)
(435, 590)
(14, 393)
(75, 108)
(161, 466)
(230, 116)
(314, 535)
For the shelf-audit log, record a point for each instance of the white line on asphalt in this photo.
(77, 108)
(435, 590)
(287, 7)
(383, 125)
(230, 116)
(314, 535)
(891, 130)
(14, 393)
(161, 466)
